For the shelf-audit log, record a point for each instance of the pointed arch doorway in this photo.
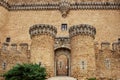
(62, 62)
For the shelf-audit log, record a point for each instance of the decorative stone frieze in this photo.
(62, 42)
(64, 6)
(42, 29)
(82, 29)
(4, 4)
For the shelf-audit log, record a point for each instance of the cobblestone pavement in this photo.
(61, 78)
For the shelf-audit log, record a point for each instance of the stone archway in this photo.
(62, 62)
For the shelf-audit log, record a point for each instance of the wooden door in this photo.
(62, 65)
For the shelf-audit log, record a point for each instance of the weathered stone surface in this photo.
(82, 54)
(103, 59)
(42, 46)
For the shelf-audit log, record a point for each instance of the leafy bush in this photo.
(92, 79)
(26, 72)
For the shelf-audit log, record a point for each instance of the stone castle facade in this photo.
(76, 38)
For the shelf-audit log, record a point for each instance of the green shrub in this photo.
(92, 79)
(26, 72)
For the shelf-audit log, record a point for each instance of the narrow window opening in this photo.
(4, 65)
(83, 65)
(64, 27)
(8, 39)
(107, 63)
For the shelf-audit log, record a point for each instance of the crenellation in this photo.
(5, 46)
(114, 46)
(82, 29)
(105, 45)
(42, 29)
(107, 62)
(14, 46)
(23, 47)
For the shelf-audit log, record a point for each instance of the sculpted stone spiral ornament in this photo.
(40, 29)
(82, 29)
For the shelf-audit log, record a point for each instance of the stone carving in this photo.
(42, 29)
(64, 7)
(82, 29)
(62, 42)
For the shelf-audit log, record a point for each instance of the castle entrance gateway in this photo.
(62, 62)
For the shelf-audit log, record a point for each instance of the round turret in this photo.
(82, 51)
(42, 46)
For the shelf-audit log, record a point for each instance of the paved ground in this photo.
(61, 78)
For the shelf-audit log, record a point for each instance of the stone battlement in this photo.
(115, 46)
(82, 29)
(14, 47)
(43, 29)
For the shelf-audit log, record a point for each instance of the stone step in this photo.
(62, 78)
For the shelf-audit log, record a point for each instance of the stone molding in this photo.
(42, 29)
(62, 42)
(82, 29)
(63, 4)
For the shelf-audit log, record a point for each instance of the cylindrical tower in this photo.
(42, 46)
(82, 51)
